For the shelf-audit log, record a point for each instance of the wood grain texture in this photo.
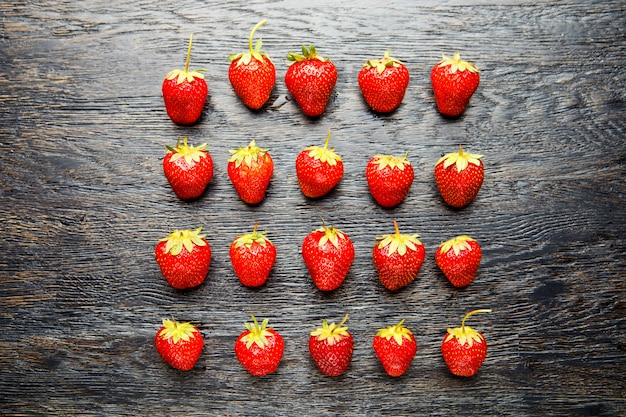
(84, 200)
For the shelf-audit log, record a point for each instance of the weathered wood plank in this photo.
(84, 200)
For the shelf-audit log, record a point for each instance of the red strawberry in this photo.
(328, 254)
(389, 179)
(398, 259)
(319, 170)
(259, 349)
(464, 349)
(188, 169)
(459, 176)
(383, 83)
(250, 169)
(395, 347)
(331, 347)
(458, 259)
(184, 257)
(179, 344)
(184, 93)
(252, 74)
(310, 80)
(252, 256)
(454, 81)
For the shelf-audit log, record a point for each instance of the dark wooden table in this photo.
(84, 201)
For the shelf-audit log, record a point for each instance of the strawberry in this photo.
(310, 80)
(458, 259)
(383, 83)
(252, 256)
(250, 169)
(389, 179)
(252, 74)
(184, 93)
(395, 347)
(328, 254)
(179, 344)
(454, 81)
(459, 176)
(259, 349)
(398, 259)
(188, 169)
(464, 349)
(319, 170)
(184, 257)
(331, 347)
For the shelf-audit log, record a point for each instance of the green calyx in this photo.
(332, 333)
(383, 63)
(331, 234)
(177, 331)
(185, 74)
(250, 238)
(178, 240)
(399, 242)
(457, 244)
(398, 331)
(466, 335)
(191, 154)
(456, 63)
(258, 333)
(307, 53)
(460, 159)
(246, 154)
(256, 53)
(392, 162)
(324, 154)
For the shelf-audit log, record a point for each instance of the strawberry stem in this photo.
(395, 224)
(188, 54)
(258, 25)
(472, 313)
(343, 321)
(327, 140)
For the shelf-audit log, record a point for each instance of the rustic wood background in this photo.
(84, 200)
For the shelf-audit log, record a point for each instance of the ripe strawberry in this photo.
(383, 83)
(395, 347)
(464, 349)
(459, 176)
(184, 257)
(310, 80)
(250, 169)
(319, 170)
(179, 344)
(252, 256)
(458, 259)
(331, 347)
(259, 349)
(252, 74)
(454, 81)
(328, 254)
(389, 179)
(184, 93)
(188, 169)
(398, 259)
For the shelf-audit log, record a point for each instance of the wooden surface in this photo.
(84, 201)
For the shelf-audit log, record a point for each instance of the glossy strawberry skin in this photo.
(396, 359)
(460, 268)
(184, 102)
(383, 91)
(332, 360)
(187, 269)
(390, 185)
(181, 354)
(458, 189)
(464, 360)
(311, 81)
(453, 87)
(396, 271)
(252, 178)
(317, 178)
(253, 82)
(188, 179)
(260, 361)
(328, 265)
(253, 261)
